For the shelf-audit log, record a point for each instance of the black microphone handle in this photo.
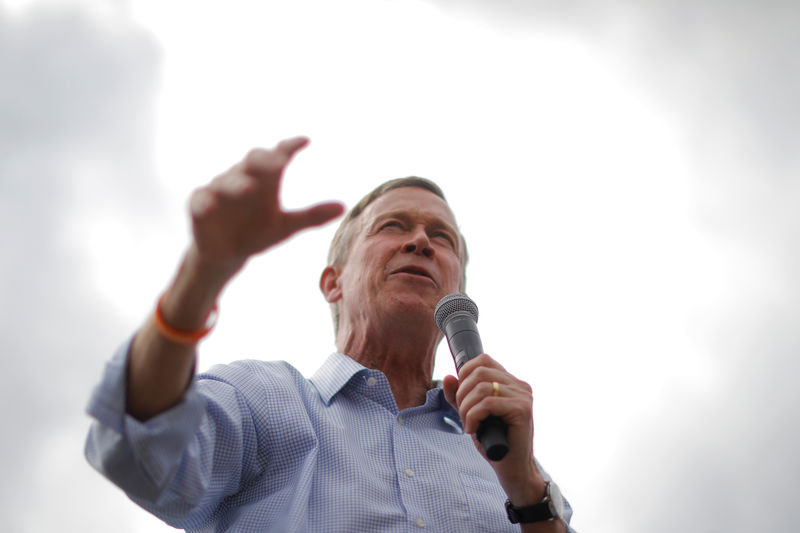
(465, 344)
(493, 435)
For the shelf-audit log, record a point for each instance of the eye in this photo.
(443, 235)
(391, 224)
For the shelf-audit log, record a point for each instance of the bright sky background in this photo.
(626, 178)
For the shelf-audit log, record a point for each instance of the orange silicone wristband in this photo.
(183, 337)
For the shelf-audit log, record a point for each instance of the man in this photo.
(368, 443)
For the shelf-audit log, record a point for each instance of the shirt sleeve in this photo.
(568, 516)
(567, 507)
(178, 465)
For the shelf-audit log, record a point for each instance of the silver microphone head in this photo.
(454, 303)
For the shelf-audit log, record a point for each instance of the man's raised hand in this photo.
(239, 214)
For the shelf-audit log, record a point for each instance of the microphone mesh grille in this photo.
(454, 303)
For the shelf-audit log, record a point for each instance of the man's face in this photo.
(404, 256)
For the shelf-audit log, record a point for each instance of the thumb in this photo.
(313, 216)
(450, 387)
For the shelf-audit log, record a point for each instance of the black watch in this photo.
(550, 508)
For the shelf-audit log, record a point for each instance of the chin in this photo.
(415, 303)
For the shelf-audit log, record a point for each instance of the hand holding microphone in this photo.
(457, 316)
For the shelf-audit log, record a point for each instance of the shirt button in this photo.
(371, 381)
(401, 420)
(409, 472)
(420, 522)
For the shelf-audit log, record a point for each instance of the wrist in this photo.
(549, 510)
(192, 296)
(529, 490)
(209, 271)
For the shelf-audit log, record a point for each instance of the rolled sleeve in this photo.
(142, 458)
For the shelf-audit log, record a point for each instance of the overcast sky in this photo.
(626, 175)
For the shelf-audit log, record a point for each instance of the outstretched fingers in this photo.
(315, 215)
(238, 214)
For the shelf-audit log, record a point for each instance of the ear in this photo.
(329, 284)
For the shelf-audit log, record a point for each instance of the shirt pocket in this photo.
(486, 505)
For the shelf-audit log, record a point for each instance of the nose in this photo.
(418, 243)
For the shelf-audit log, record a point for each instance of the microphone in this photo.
(457, 316)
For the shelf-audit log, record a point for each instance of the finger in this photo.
(313, 216)
(270, 163)
(514, 410)
(494, 385)
(450, 387)
(474, 412)
(483, 400)
(292, 145)
(473, 364)
(478, 394)
(201, 203)
(260, 162)
(234, 184)
(481, 377)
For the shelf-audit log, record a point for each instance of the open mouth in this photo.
(414, 271)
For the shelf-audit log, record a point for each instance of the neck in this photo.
(405, 358)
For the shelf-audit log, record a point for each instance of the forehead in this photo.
(410, 201)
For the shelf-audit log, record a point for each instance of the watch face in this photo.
(556, 501)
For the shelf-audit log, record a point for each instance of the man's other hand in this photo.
(239, 214)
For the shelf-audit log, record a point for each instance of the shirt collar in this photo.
(334, 374)
(338, 369)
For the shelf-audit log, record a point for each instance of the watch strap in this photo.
(537, 512)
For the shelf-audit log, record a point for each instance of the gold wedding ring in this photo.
(495, 388)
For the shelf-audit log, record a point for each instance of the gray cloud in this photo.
(74, 91)
(715, 61)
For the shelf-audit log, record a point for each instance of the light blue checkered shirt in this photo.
(256, 447)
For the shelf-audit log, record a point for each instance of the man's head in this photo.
(419, 191)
